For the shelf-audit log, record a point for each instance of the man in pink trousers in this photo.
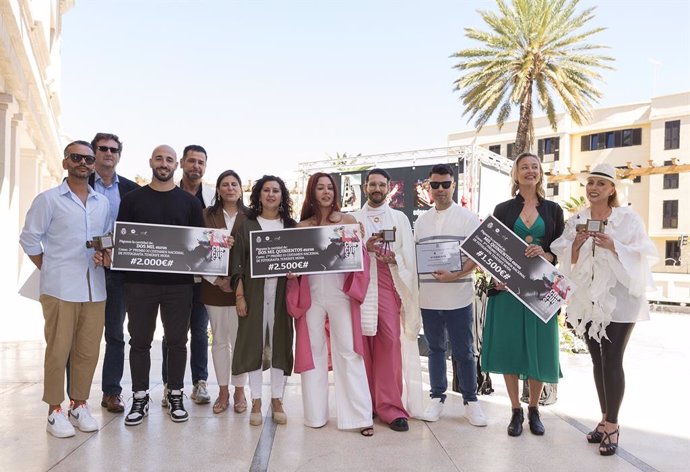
(391, 308)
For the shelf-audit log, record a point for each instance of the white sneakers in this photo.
(200, 393)
(434, 410)
(79, 416)
(58, 425)
(474, 414)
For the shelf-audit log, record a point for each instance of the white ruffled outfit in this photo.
(608, 287)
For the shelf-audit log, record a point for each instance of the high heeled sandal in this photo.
(607, 446)
(595, 436)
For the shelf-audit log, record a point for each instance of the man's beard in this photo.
(162, 178)
(377, 198)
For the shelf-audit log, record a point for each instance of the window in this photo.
(496, 148)
(672, 253)
(547, 149)
(551, 190)
(670, 180)
(670, 219)
(611, 139)
(509, 153)
(672, 135)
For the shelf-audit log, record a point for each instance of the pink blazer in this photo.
(299, 301)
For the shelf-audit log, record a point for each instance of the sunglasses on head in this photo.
(445, 184)
(77, 158)
(113, 150)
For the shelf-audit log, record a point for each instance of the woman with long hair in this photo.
(227, 212)
(516, 342)
(607, 254)
(264, 323)
(333, 298)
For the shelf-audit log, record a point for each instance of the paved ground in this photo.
(654, 423)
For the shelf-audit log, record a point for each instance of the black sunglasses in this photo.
(113, 150)
(77, 158)
(445, 184)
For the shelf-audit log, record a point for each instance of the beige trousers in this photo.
(73, 330)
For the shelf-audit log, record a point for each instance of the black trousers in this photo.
(607, 360)
(143, 303)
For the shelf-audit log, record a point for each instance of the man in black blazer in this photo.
(105, 180)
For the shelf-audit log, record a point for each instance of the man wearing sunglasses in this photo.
(58, 225)
(106, 181)
(445, 297)
(193, 164)
(391, 302)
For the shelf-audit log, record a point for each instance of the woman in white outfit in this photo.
(332, 298)
(227, 212)
(607, 254)
(264, 337)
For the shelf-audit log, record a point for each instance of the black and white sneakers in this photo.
(140, 409)
(176, 407)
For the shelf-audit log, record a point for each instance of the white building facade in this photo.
(639, 135)
(30, 145)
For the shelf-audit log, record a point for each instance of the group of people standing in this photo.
(364, 325)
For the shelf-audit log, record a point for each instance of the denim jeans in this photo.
(198, 344)
(457, 325)
(114, 357)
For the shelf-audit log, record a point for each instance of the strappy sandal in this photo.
(240, 406)
(367, 432)
(220, 406)
(595, 436)
(607, 446)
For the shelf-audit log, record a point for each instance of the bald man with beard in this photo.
(163, 203)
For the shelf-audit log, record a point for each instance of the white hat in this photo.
(602, 171)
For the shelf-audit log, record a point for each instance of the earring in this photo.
(261, 207)
(280, 208)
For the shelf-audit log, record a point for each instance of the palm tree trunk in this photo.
(525, 130)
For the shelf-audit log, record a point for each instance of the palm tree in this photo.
(535, 49)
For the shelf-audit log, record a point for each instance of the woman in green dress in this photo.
(517, 343)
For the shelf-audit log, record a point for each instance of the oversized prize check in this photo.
(309, 250)
(174, 249)
(534, 281)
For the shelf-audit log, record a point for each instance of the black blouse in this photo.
(509, 211)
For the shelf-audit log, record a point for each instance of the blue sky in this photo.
(265, 84)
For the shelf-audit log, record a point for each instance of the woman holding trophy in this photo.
(607, 254)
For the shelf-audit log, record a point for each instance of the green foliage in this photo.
(345, 163)
(568, 340)
(534, 50)
(574, 204)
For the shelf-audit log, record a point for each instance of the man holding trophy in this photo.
(391, 302)
(64, 227)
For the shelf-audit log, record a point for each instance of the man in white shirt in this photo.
(58, 225)
(445, 298)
